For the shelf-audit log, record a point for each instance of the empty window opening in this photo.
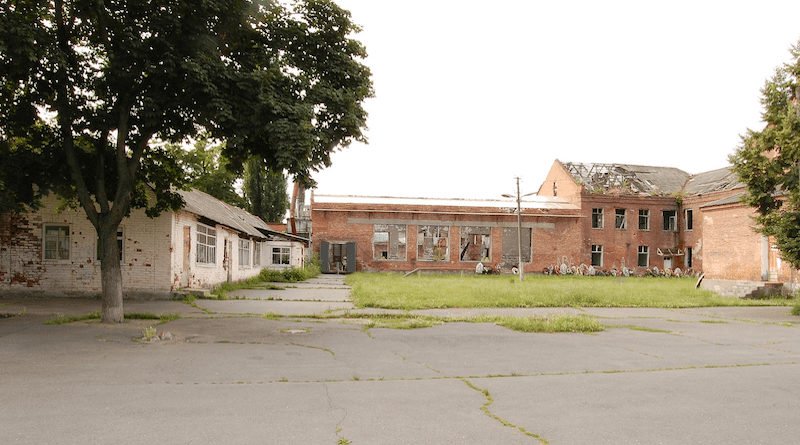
(432, 243)
(689, 219)
(476, 243)
(670, 220)
(644, 256)
(620, 222)
(597, 255)
(644, 219)
(389, 242)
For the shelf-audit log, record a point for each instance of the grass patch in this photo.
(266, 279)
(796, 309)
(63, 319)
(392, 291)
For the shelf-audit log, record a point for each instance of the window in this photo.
(281, 255)
(257, 254)
(119, 245)
(689, 257)
(244, 252)
(206, 245)
(644, 219)
(56, 242)
(432, 243)
(476, 243)
(555, 189)
(619, 221)
(688, 215)
(669, 220)
(597, 218)
(644, 256)
(389, 242)
(597, 255)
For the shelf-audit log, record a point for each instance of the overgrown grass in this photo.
(266, 278)
(392, 291)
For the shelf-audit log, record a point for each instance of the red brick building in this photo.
(405, 234)
(619, 218)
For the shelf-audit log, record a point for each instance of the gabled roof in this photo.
(209, 207)
(714, 181)
(627, 178)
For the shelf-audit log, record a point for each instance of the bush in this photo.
(290, 275)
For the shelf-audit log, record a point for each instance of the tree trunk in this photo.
(110, 271)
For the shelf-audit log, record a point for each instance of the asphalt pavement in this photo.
(229, 375)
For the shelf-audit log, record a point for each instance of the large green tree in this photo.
(264, 191)
(88, 86)
(208, 170)
(767, 160)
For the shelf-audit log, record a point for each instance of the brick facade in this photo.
(393, 234)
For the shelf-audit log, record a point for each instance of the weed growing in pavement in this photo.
(149, 333)
(63, 319)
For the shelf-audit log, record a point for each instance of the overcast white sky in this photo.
(470, 94)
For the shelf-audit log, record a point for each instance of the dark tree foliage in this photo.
(208, 171)
(767, 161)
(265, 191)
(88, 86)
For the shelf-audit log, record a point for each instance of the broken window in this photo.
(476, 243)
(620, 222)
(389, 242)
(597, 255)
(670, 220)
(56, 242)
(644, 219)
(644, 256)
(432, 243)
(688, 216)
(597, 218)
(510, 256)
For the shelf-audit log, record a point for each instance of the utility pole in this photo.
(520, 264)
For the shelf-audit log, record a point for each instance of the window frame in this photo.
(60, 239)
(399, 241)
(245, 253)
(210, 250)
(283, 253)
(436, 232)
(644, 216)
(598, 220)
(597, 249)
(470, 235)
(643, 250)
(620, 219)
(671, 222)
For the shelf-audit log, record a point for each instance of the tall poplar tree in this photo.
(264, 191)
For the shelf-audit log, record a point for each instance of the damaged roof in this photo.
(716, 180)
(529, 202)
(627, 178)
(207, 206)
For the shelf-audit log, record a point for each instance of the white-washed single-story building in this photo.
(53, 251)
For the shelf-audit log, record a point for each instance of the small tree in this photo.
(767, 161)
(86, 87)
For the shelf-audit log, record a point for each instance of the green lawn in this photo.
(393, 291)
